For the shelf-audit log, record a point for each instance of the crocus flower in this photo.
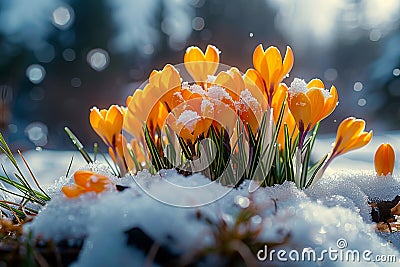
(107, 123)
(268, 63)
(310, 103)
(384, 159)
(192, 118)
(350, 135)
(200, 65)
(247, 99)
(87, 181)
(152, 104)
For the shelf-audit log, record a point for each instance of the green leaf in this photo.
(138, 166)
(185, 148)
(16, 211)
(303, 177)
(78, 145)
(316, 169)
(155, 156)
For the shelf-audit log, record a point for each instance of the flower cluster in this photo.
(255, 121)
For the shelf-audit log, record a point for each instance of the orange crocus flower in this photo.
(107, 123)
(254, 82)
(384, 159)
(200, 65)
(247, 99)
(310, 103)
(271, 68)
(350, 135)
(192, 118)
(87, 181)
(152, 104)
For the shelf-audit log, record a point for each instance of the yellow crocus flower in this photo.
(192, 118)
(200, 65)
(268, 63)
(107, 123)
(310, 103)
(384, 159)
(152, 104)
(350, 135)
(247, 99)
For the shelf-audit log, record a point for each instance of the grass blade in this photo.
(78, 145)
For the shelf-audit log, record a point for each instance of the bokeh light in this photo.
(35, 73)
(37, 133)
(98, 59)
(62, 17)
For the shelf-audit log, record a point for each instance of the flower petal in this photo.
(258, 56)
(317, 101)
(212, 54)
(274, 61)
(359, 142)
(317, 83)
(300, 106)
(287, 63)
(73, 190)
(330, 103)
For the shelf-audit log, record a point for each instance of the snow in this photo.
(300, 86)
(188, 119)
(247, 100)
(218, 93)
(336, 207)
(195, 47)
(195, 88)
(206, 106)
(211, 78)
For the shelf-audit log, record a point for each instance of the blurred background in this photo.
(60, 58)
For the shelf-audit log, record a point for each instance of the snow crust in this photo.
(336, 207)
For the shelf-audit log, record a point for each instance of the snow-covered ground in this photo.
(333, 215)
